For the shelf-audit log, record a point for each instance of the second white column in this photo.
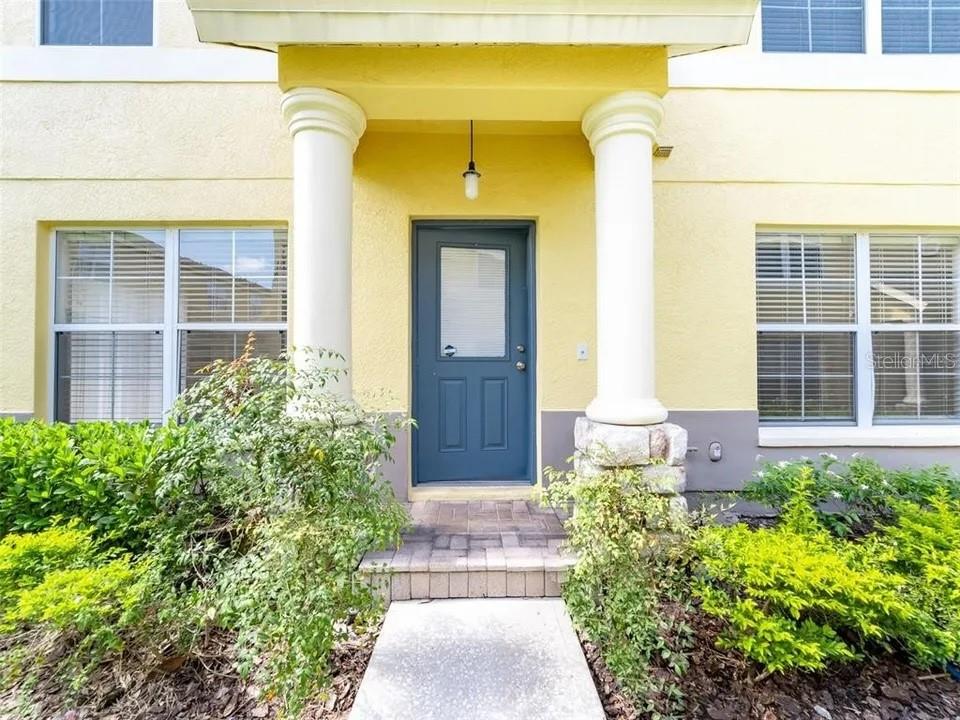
(622, 130)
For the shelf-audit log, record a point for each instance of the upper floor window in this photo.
(97, 22)
(822, 26)
(858, 328)
(921, 26)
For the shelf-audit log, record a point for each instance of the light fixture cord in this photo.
(471, 142)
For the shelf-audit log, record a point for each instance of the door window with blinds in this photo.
(138, 313)
(815, 26)
(857, 328)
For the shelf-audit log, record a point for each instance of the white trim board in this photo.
(61, 63)
(682, 24)
(748, 68)
(876, 436)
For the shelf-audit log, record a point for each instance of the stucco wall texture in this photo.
(214, 153)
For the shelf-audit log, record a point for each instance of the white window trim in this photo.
(872, 436)
(864, 433)
(170, 326)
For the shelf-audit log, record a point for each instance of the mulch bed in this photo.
(722, 686)
(202, 687)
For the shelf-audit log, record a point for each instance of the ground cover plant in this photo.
(239, 523)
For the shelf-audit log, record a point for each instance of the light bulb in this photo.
(471, 184)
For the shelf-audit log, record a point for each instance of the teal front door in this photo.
(473, 352)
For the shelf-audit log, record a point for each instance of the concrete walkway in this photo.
(478, 659)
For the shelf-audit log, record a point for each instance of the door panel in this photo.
(472, 326)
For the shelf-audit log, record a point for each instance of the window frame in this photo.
(154, 35)
(170, 327)
(863, 431)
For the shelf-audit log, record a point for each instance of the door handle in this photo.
(449, 350)
(521, 366)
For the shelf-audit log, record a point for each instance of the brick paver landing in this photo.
(474, 549)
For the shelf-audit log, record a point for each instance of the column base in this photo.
(626, 411)
(656, 452)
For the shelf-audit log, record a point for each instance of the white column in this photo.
(622, 129)
(326, 128)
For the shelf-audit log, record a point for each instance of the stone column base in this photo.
(656, 452)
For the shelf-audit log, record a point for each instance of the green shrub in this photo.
(796, 597)
(851, 497)
(629, 591)
(270, 493)
(25, 559)
(925, 547)
(100, 473)
(78, 602)
(93, 601)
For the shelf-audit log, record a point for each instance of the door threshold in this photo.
(463, 492)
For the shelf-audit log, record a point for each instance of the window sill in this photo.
(878, 436)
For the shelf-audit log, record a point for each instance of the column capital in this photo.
(632, 111)
(307, 108)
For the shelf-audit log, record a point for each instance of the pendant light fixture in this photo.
(471, 178)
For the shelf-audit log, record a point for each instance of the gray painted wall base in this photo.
(735, 430)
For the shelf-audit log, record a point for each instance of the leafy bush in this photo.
(851, 497)
(796, 597)
(100, 473)
(270, 495)
(924, 546)
(25, 559)
(56, 582)
(629, 592)
(92, 601)
(248, 512)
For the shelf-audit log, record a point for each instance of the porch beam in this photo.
(326, 128)
(622, 130)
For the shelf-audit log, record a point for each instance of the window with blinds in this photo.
(806, 311)
(96, 22)
(914, 326)
(116, 336)
(109, 328)
(201, 348)
(820, 26)
(921, 26)
(858, 328)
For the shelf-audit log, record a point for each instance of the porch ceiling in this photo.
(680, 25)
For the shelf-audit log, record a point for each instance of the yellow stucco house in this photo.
(742, 218)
